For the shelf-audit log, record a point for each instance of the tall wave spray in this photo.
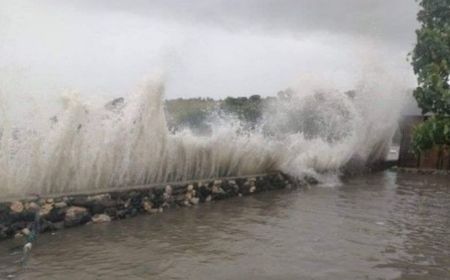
(87, 146)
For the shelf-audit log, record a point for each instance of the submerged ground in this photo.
(380, 226)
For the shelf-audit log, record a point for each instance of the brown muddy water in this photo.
(380, 226)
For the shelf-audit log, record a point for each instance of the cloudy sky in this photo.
(204, 48)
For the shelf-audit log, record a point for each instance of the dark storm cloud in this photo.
(390, 20)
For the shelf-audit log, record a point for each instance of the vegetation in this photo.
(311, 117)
(195, 112)
(431, 62)
(192, 113)
(246, 109)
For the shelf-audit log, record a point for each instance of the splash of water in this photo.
(88, 147)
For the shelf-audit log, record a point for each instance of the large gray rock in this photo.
(101, 218)
(96, 204)
(76, 215)
(16, 207)
(32, 207)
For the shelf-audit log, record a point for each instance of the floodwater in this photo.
(379, 226)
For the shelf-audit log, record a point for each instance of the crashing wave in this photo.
(127, 142)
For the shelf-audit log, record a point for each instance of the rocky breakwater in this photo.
(29, 216)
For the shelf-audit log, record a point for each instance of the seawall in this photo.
(31, 215)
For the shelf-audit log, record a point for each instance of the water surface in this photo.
(380, 226)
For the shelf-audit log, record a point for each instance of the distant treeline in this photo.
(195, 112)
(191, 113)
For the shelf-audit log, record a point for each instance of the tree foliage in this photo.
(192, 113)
(246, 109)
(431, 62)
(434, 131)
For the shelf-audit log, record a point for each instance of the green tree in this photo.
(246, 109)
(431, 62)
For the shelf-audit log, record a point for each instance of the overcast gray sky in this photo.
(206, 48)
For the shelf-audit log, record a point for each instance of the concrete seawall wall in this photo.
(31, 215)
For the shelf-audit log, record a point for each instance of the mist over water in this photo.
(87, 145)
